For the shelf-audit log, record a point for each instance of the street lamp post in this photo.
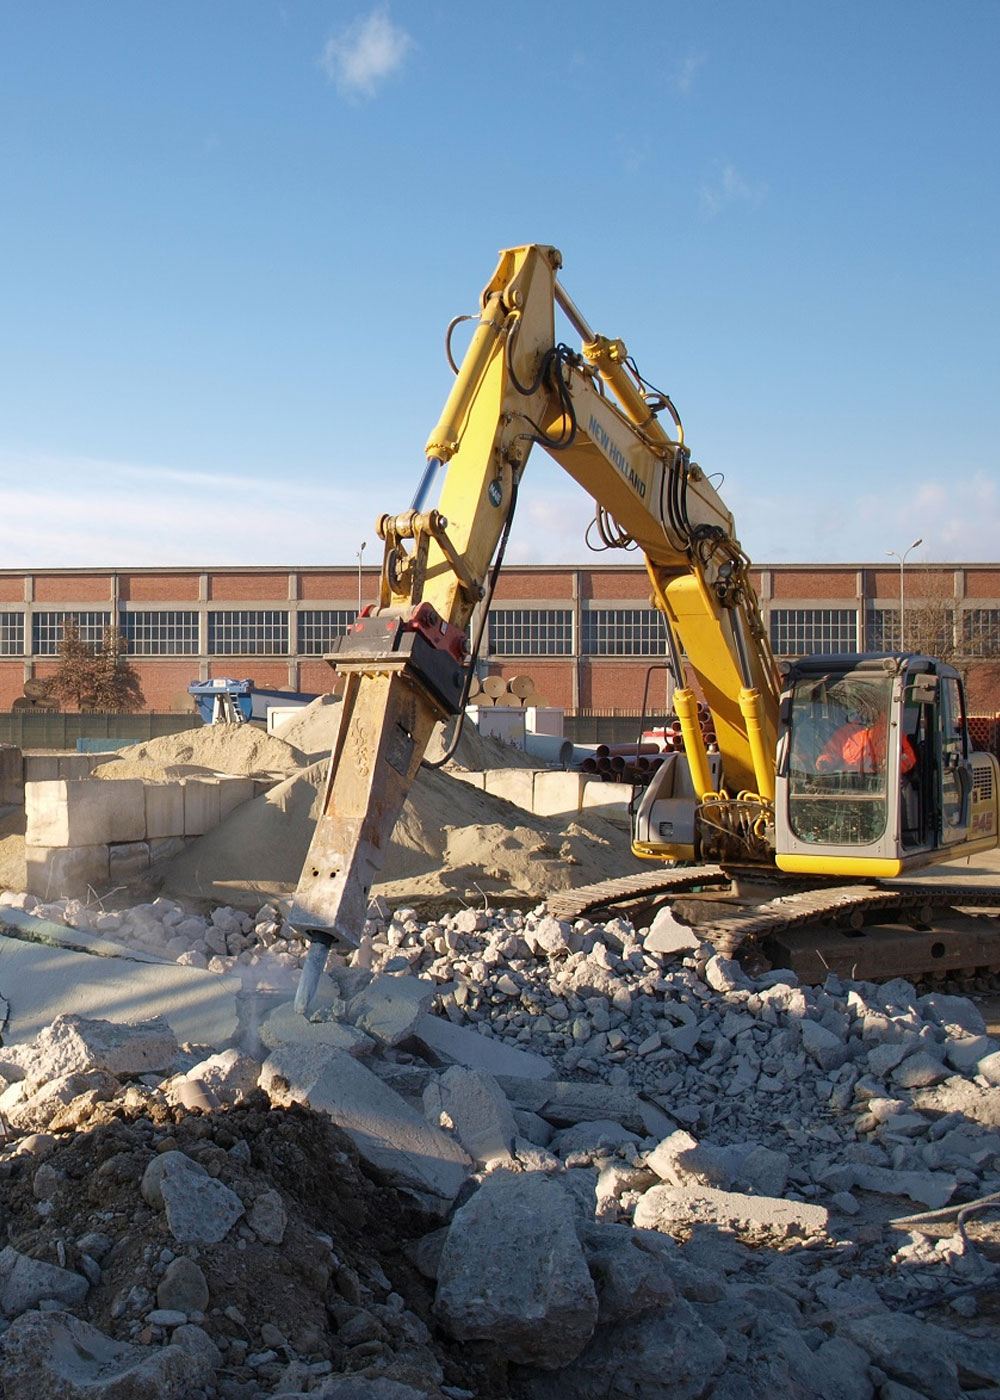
(892, 554)
(358, 554)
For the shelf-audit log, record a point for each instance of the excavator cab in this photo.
(875, 772)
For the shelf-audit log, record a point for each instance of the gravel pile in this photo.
(651, 1177)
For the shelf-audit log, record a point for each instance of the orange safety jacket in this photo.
(855, 748)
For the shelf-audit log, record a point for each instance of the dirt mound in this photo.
(340, 1259)
(451, 839)
(239, 749)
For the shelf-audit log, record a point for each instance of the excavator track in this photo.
(871, 931)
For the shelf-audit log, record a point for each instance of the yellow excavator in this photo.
(834, 776)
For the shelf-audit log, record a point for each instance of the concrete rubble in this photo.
(505, 1156)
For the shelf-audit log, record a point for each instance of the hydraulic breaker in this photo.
(403, 675)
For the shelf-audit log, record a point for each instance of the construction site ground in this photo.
(508, 1155)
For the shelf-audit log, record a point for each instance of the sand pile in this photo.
(239, 749)
(314, 729)
(451, 840)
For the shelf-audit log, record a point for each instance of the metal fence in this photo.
(37, 729)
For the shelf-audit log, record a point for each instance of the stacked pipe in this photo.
(636, 763)
(515, 692)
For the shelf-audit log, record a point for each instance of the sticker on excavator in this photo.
(399, 749)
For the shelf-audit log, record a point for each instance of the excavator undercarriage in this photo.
(868, 932)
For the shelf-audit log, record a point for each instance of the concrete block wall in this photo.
(550, 793)
(85, 836)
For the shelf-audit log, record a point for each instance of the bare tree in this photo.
(97, 679)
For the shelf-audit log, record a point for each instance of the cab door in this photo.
(954, 767)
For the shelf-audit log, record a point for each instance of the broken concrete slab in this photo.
(389, 1008)
(285, 1026)
(513, 1272)
(41, 983)
(664, 1207)
(73, 1044)
(55, 1354)
(15, 923)
(565, 1102)
(389, 1134)
(450, 1044)
(477, 1109)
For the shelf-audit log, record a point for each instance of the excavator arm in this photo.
(407, 661)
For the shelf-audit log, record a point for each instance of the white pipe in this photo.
(551, 747)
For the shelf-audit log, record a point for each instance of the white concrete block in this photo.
(66, 812)
(513, 784)
(202, 804)
(233, 792)
(58, 872)
(127, 808)
(127, 861)
(471, 776)
(61, 813)
(608, 800)
(556, 793)
(164, 810)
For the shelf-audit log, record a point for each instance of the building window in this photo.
(47, 630)
(812, 631)
(319, 628)
(531, 632)
(11, 634)
(882, 629)
(623, 632)
(160, 633)
(258, 633)
(981, 632)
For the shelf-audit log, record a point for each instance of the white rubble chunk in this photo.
(965, 1052)
(725, 975)
(957, 1015)
(680, 1160)
(49, 1354)
(73, 1044)
(268, 1218)
(388, 1133)
(919, 1070)
(989, 1067)
(513, 1272)
(230, 1075)
(821, 1045)
(476, 1108)
(665, 1207)
(200, 1209)
(389, 1008)
(451, 1044)
(930, 1189)
(666, 934)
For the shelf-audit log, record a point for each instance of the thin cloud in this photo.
(361, 57)
(684, 75)
(729, 188)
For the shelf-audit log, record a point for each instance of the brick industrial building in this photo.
(586, 634)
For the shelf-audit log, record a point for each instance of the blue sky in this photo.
(232, 236)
